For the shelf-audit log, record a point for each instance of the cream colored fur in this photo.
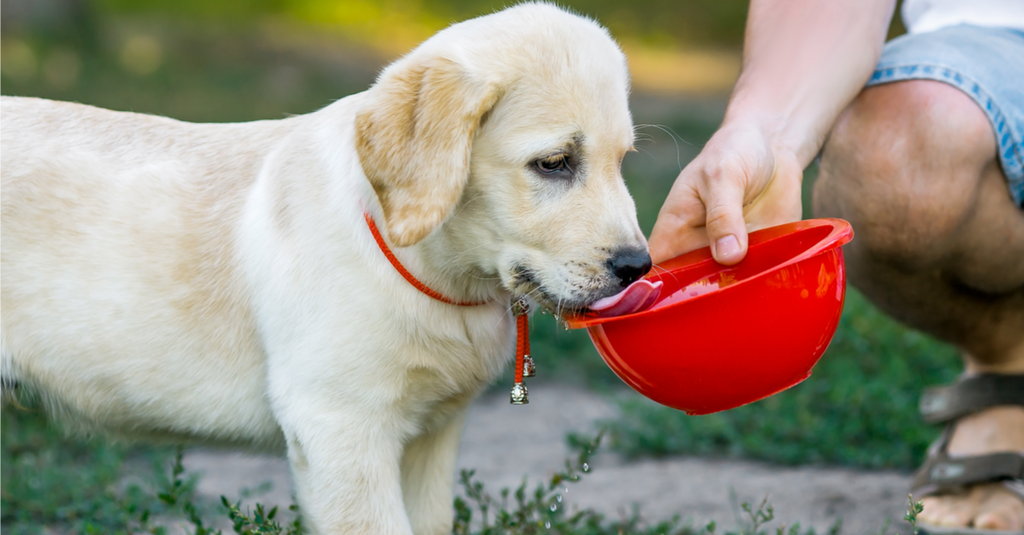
(217, 282)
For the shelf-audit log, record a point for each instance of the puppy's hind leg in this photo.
(427, 469)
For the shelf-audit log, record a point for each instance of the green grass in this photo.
(204, 73)
(81, 485)
(48, 478)
(70, 485)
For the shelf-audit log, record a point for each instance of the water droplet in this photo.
(547, 524)
(554, 508)
(558, 498)
(586, 467)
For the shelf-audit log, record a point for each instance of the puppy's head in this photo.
(509, 131)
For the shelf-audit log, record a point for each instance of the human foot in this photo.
(986, 505)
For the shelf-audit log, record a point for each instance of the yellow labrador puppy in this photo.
(218, 282)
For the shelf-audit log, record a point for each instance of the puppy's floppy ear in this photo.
(414, 139)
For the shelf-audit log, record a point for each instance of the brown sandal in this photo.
(942, 473)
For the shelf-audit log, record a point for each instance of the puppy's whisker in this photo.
(657, 268)
(535, 291)
(643, 137)
(665, 129)
(664, 271)
(676, 138)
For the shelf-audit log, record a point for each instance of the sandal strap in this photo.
(1015, 486)
(941, 473)
(970, 395)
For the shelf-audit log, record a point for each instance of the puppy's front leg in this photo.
(427, 475)
(345, 465)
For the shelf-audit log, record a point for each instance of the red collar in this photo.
(405, 273)
(520, 309)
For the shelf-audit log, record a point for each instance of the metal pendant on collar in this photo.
(519, 394)
(524, 364)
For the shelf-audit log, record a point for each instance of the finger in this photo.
(661, 244)
(780, 202)
(680, 225)
(673, 236)
(726, 229)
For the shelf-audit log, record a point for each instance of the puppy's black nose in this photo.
(629, 265)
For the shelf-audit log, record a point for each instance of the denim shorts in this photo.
(985, 63)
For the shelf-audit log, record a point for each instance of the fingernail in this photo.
(727, 247)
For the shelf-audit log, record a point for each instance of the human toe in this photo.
(935, 510)
(1002, 511)
(953, 510)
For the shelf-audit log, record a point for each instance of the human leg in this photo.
(913, 165)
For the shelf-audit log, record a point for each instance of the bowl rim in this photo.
(841, 233)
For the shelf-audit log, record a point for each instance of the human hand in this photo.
(738, 183)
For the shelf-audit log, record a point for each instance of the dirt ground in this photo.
(504, 443)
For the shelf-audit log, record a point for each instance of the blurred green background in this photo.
(236, 60)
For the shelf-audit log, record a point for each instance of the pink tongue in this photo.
(636, 297)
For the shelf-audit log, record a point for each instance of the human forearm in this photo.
(804, 61)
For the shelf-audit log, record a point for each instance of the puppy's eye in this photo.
(558, 163)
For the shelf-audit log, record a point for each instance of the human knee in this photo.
(903, 164)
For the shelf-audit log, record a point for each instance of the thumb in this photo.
(726, 228)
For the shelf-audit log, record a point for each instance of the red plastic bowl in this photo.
(723, 336)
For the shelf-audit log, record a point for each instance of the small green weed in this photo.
(262, 522)
(913, 509)
(178, 495)
(524, 512)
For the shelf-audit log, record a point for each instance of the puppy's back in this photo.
(121, 295)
